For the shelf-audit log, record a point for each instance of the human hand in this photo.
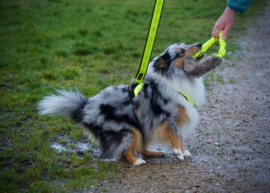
(225, 22)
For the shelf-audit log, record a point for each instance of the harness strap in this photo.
(187, 97)
(133, 91)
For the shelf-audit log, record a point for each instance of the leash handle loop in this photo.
(150, 40)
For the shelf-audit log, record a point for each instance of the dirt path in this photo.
(230, 150)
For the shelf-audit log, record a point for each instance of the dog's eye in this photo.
(182, 51)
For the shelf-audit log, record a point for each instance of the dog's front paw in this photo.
(187, 153)
(181, 157)
(179, 154)
(139, 162)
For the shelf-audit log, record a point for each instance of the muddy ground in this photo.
(230, 150)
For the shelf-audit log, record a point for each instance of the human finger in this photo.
(226, 31)
(216, 31)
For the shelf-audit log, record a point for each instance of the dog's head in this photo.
(177, 59)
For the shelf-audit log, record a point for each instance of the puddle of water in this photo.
(58, 147)
(96, 151)
(83, 147)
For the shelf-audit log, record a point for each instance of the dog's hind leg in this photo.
(135, 147)
(154, 154)
(133, 160)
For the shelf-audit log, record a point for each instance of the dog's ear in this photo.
(202, 68)
(189, 64)
(162, 61)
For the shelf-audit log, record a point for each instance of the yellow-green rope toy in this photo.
(209, 43)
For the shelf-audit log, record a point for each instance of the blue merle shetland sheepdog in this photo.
(165, 106)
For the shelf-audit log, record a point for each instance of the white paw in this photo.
(139, 162)
(177, 151)
(178, 154)
(187, 153)
(181, 157)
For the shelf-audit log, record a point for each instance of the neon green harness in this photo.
(140, 85)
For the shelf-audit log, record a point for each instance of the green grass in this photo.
(84, 44)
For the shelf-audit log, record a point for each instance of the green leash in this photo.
(150, 40)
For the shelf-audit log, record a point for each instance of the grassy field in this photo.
(84, 44)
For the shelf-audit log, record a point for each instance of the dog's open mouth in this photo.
(200, 56)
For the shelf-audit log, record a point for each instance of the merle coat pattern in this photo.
(163, 113)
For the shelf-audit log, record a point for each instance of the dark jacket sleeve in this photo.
(239, 5)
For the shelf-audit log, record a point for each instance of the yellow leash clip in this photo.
(206, 45)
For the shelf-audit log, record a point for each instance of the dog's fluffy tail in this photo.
(66, 103)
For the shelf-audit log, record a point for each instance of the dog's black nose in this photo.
(199, 45)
